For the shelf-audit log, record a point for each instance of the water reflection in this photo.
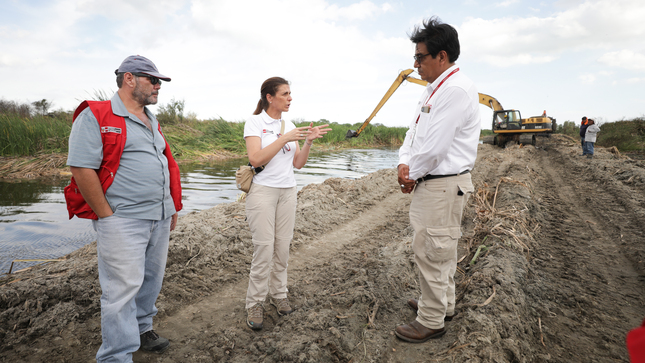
(14, 196)
(206, 185)
(34, 221)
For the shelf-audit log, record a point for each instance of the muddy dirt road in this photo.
(562, 277)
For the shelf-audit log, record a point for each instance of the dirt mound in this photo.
(551, 271)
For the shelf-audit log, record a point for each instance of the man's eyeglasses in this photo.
(419, 57)
(153, 80)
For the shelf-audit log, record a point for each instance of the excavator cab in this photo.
(507, 120)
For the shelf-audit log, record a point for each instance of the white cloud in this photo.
(587, 78)
(210, 46)
(627, 59)
(357, 11)
(636, 80)
(589, 25)
(340, 55)
(506, 3)
(8, 60)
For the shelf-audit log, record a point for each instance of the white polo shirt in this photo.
(278, 173)
(444, 132)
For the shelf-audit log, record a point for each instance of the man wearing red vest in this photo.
(126, 180)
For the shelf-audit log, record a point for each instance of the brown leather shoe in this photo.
(417, 333)
(414, 304)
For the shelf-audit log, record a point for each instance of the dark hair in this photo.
(437, 36)
(119, 79)
(270, 86)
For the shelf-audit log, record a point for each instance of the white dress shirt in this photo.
(443, 141)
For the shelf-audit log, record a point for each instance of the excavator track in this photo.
(527, 139)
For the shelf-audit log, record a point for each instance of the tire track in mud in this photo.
(224, 310)
(571, 298)
(597, 292)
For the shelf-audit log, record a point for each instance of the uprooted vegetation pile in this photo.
(551, 270)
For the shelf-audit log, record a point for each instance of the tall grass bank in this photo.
(29, 129)
(21, 136)
(26, 130)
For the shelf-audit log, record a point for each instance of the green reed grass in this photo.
(372, 135)
(28, 136)
(627, 136)
(192, 137)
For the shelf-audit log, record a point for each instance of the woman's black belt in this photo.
(428, 177)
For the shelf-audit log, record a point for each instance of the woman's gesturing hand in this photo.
(317, 132)
(299, 133)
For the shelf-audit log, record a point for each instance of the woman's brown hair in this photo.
(270, 86)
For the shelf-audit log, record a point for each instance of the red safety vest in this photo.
(113, 135)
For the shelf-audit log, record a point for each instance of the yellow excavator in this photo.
(508, 125)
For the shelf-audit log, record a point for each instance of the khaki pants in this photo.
(435, 215)
(271, 213)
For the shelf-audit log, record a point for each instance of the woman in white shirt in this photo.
(271, 201)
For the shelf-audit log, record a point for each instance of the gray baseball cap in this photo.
(139, 64)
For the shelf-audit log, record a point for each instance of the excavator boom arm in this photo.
(404, 75)
(484, 99)
(490, 101)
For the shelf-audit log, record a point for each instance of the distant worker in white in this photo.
(435, 161)
(590, 137)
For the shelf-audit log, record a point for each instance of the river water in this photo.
(34, 222)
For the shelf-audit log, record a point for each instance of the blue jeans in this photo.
(582, 143)
(588, 148)
(131, 259)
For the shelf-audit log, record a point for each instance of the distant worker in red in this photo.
(583, 130)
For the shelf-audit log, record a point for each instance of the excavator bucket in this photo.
(404, 75)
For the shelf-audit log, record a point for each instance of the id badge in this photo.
(426, 109)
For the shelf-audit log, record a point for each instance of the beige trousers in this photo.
(271, 213)
(435, 215)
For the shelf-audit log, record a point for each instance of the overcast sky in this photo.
(568, 57)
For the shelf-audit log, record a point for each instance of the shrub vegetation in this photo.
(627, 136)
(25, 131)
(28, 129)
